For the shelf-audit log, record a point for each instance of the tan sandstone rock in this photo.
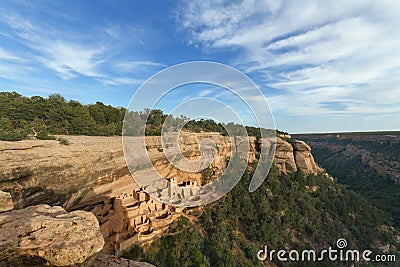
(6, 202)
(304, 159)
(49, 235)
(284, 156)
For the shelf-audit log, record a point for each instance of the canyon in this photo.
(91, 174)
(377, 151)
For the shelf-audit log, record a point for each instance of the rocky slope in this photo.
(91, 174)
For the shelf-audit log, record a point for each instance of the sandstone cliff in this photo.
(294, 155)
(91, 174)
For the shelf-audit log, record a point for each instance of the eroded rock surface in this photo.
(127, 215)
(45, 171)
(291, 156)
(6, 202)
(304, 159)
(48, 235)
(284, 156)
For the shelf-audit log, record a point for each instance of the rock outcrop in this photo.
(48, 235)
(304, 159)
(128, 215)
(44, 171)
(284, 156)
(6, 202)
(294, 155)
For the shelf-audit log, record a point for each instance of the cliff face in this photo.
(91, 174)
(289, 157)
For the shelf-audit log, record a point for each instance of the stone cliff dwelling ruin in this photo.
(129, 216)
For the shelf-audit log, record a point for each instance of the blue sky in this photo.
(323, 66)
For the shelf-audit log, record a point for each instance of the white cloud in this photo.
(131, 66)
(65, 54)
(116, 81)
(315, 52)
(13, 66)
(71, 52)
(205, 92)
(71, 59)
(5, 55)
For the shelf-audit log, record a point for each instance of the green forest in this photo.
(284, 213)
(21, 117)
(380, 191)
(37, 117)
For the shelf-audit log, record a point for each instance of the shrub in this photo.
(45, 136)
(63, 141)
(8, 131)
(12, 136)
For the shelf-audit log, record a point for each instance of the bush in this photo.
(45, 136)
(12, 136)
(63, 141)
(8, 132)
(207, 175)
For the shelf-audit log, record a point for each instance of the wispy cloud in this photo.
(69, 48)
(4, 55)
(343, 53)
(131, 66)
(116, 81)
(70, 60)
(65, 54)
(205, 92)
